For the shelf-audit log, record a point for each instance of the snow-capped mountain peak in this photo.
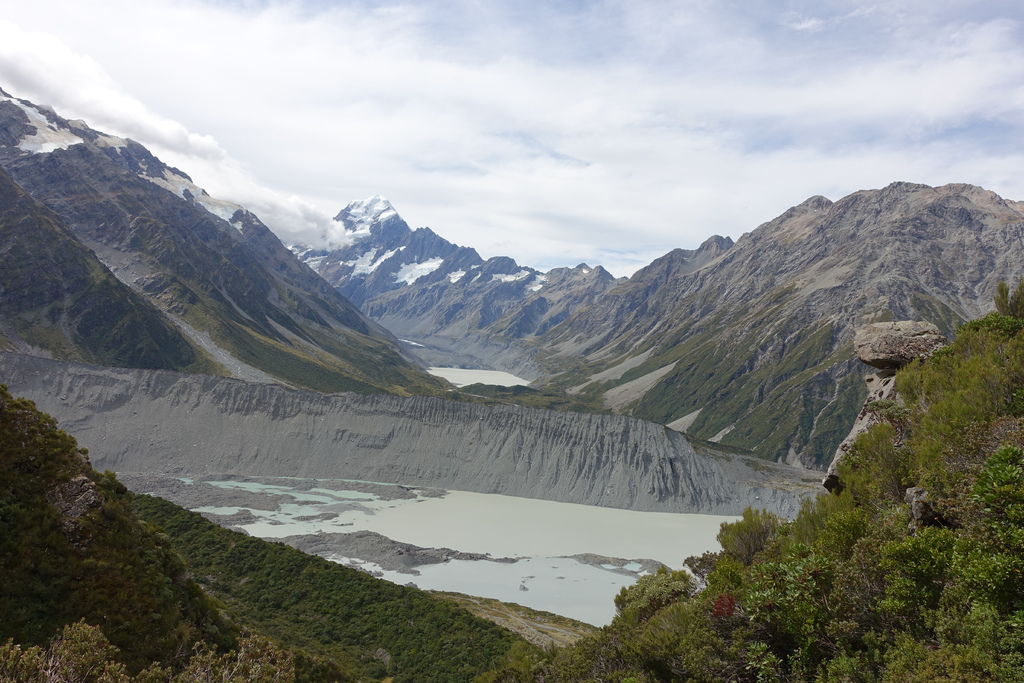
(359, 216)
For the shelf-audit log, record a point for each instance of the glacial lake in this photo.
(539, 534)
(461, 377)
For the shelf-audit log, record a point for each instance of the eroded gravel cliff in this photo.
(158, 421)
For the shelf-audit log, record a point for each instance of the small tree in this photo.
(1010, 303)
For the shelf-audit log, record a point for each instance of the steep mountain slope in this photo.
(71, 549)
(212, 267)
(453, 305)
(380, 630)
(74, 548)
(754, 348)
(55, 296)
(130, 420)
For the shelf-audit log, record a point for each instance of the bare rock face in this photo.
(887, 346)
(728, 337)
(881, 387)
(922, 512)
(891, 345)
(74, 499)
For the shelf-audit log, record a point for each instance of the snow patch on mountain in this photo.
(369, 261)
(456, 275)
(112, 141)
(361, 265)
(185, 188)
(47, 137)
(220, 209)
(501, 277)
(315, 261)
(412, 272)
(537, 283)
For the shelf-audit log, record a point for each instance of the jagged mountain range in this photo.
(754, 348)
(455, 307)
(207, 286)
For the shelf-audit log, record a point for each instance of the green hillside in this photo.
(861, 586)
(72, 549)
(56, 295)
(332, 611)
(91, 591)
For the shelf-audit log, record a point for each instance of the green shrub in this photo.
(1010, 303)
(743, 539)
(652, 592)
(849, 590)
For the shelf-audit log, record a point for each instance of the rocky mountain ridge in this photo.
(246, 306)
(754, 348)
(131, 422)
(57, 297)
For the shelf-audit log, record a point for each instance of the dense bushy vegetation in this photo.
(70, 548)
(333, 611)
(1010, 304)
(80, 653)
(89, 592)
(857, 588)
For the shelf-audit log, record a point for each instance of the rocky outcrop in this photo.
(165, 422)
(922, 511)
(881, 387)
(73, 499)
(890, 346)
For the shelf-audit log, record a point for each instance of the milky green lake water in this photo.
(540, 533)
(460, 377)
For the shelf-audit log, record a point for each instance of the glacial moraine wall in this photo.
(167, 422)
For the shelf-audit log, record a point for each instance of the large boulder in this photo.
(891, 345)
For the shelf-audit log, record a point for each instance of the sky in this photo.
(606, 132)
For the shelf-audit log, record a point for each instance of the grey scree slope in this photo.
(158, 421)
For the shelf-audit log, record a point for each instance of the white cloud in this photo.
(799, 22)
(39, 67)
(610, 133)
